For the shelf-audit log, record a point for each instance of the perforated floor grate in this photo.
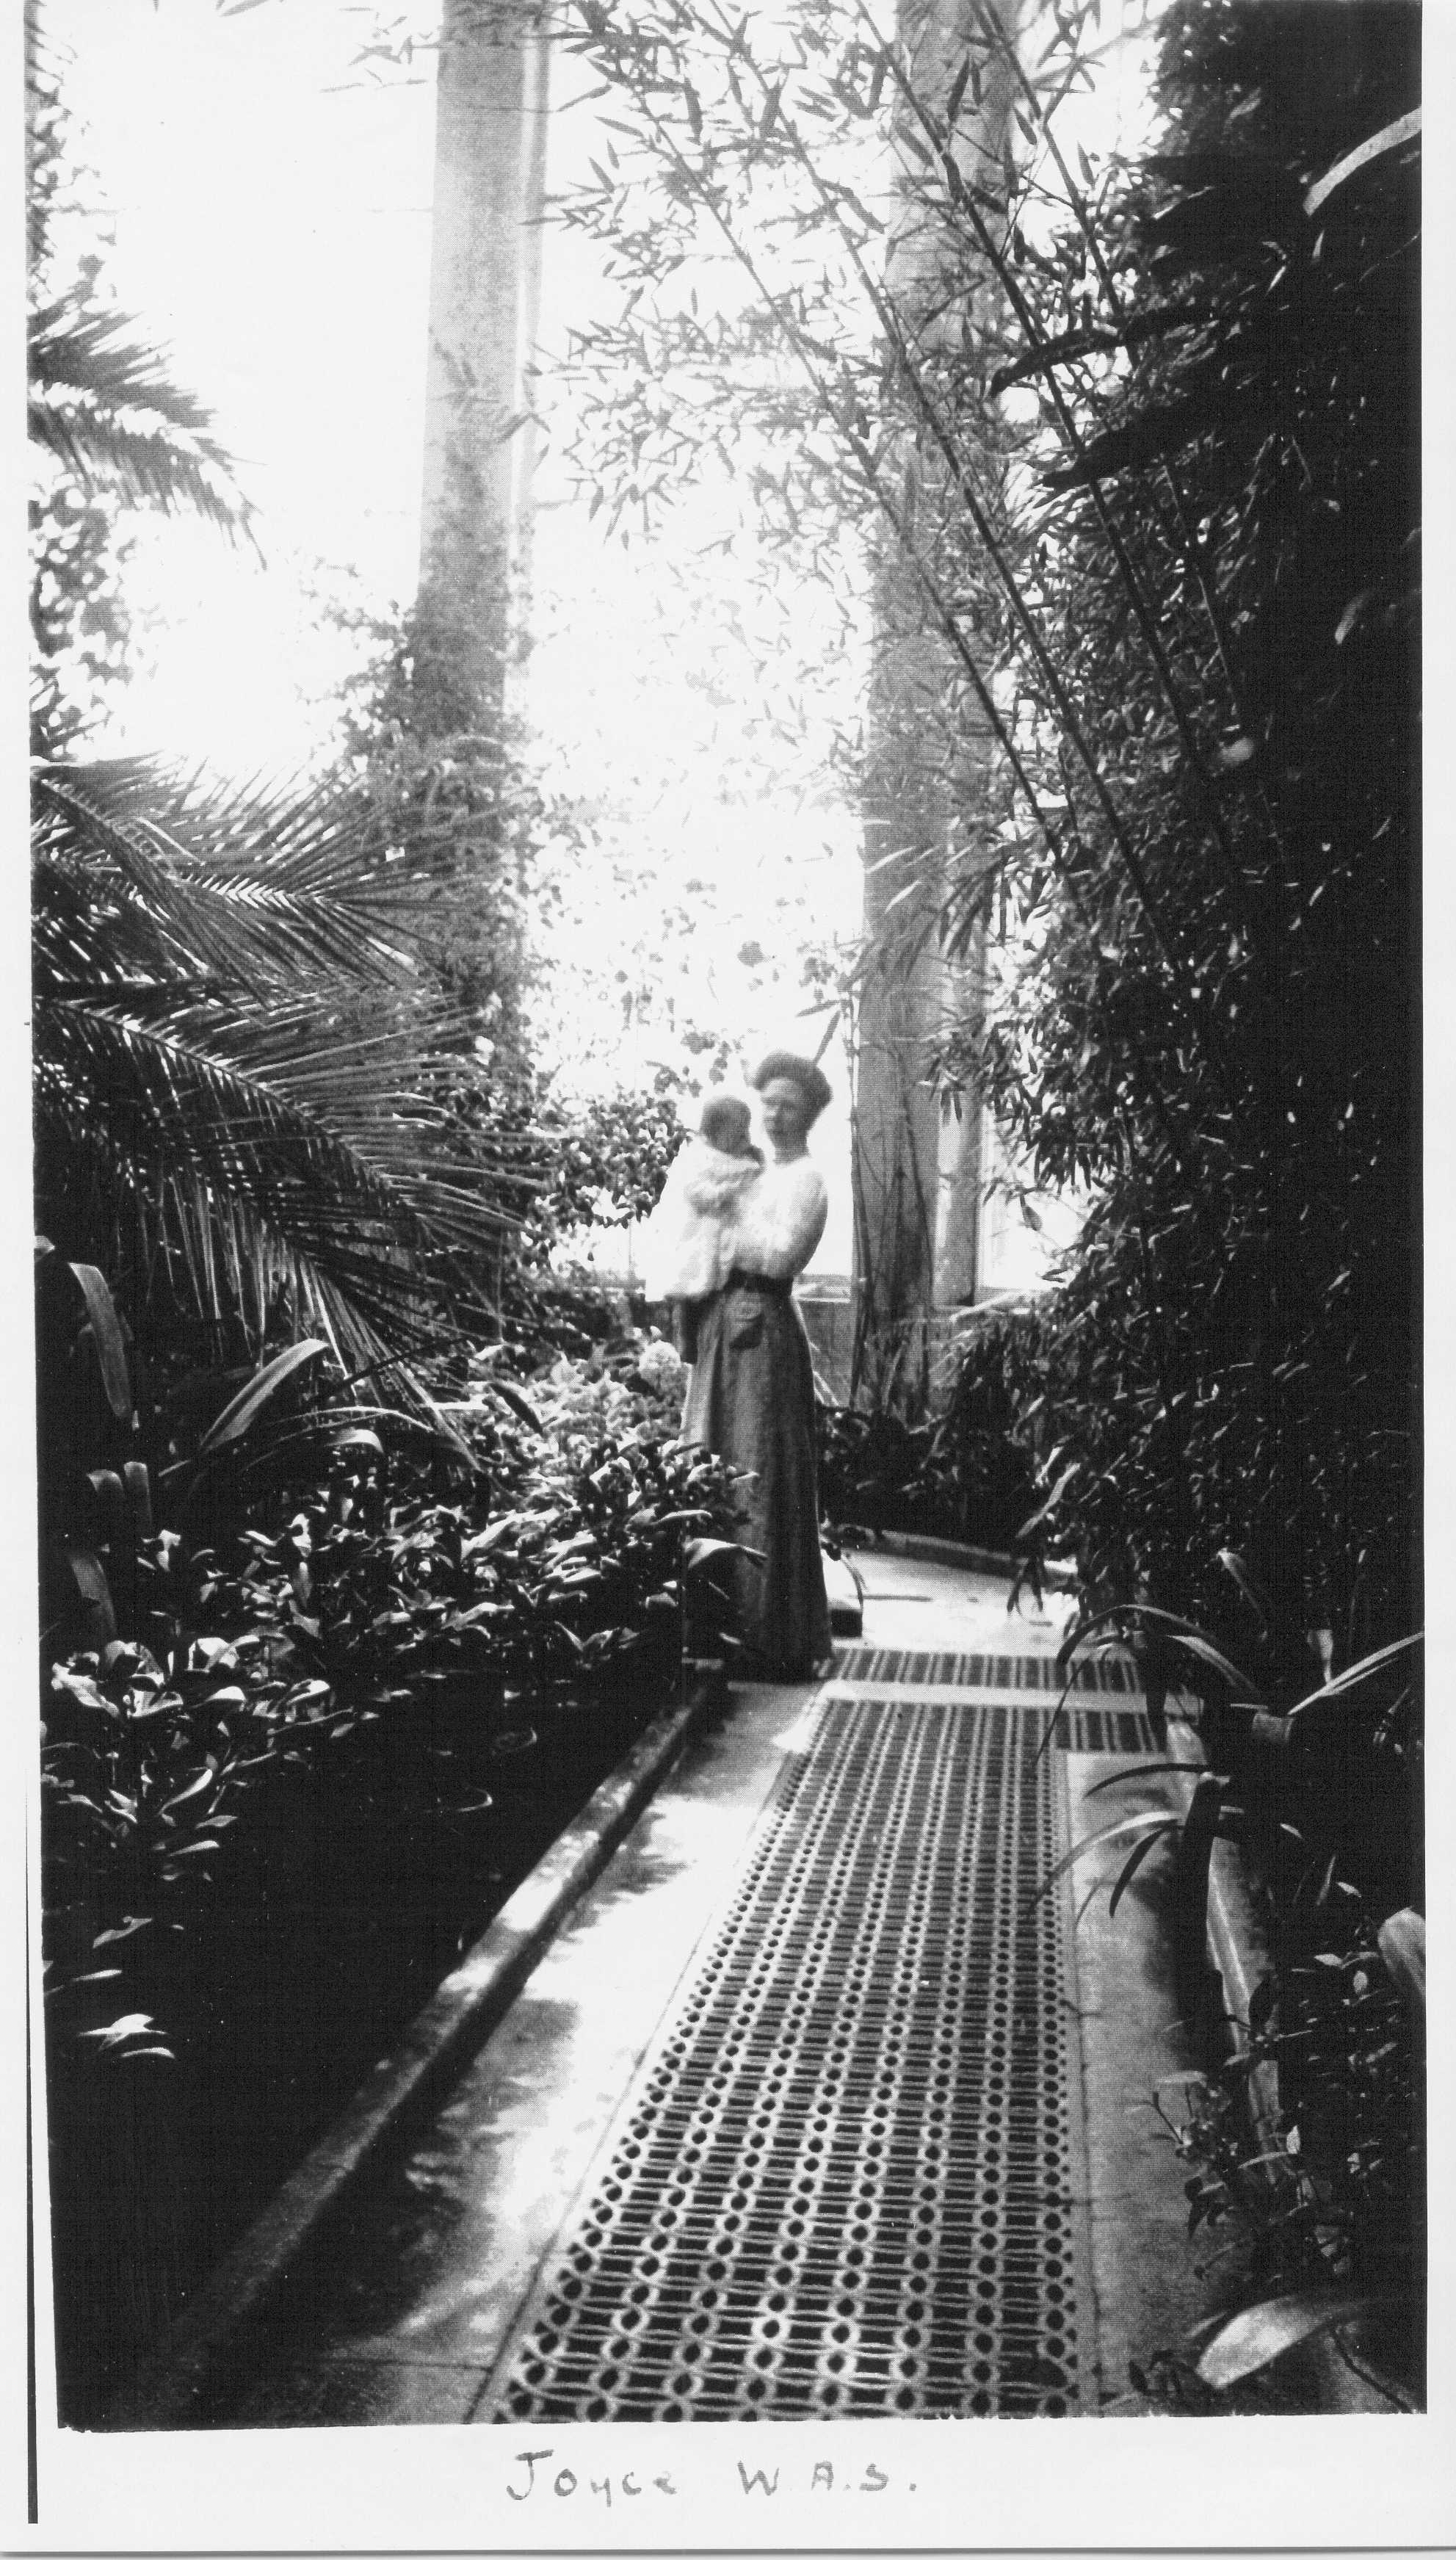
(1105, 1676)
(846, 2187)
(1104, 1728)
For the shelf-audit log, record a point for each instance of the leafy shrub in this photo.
(1317, 2190)
(563, 1577)
(614, 1153)
(566, 1166)
(1221, 352)
(147, 1764)
(564, 1580)
(336, 1741)
(968, 1474)
(1316, 2209)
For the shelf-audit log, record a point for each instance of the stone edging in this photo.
(434, 2048)
(948, 1550)
(1238, 1946)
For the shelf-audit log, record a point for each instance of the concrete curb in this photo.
(948, 1550)
(434, 2048)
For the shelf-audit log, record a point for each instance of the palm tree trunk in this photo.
(473, 378)
(917, 1178)
(533, 241)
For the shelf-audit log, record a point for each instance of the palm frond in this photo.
(241, 1086)
(249, 886)
(104, 403)
(339, 1162)
(217, 1257)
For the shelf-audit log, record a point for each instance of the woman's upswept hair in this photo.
(802, 1071)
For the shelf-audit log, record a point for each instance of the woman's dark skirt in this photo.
(751, 1398)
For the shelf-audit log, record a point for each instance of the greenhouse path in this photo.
(814, 2108)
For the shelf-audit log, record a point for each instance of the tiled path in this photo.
(813, 2108)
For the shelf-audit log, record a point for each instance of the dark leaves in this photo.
(104, 404)
(229, 1038)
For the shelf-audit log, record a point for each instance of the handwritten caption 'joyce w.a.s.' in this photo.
(538, 2473)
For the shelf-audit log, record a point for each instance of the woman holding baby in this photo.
(742, 1231)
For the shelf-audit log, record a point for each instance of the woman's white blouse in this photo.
(781, 1219)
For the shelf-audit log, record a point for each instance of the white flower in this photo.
(660, 1367)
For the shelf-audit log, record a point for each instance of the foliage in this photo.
(599, 1160)
(654, 944)
(273, 1087)
(229, 1106)
(1193, 644)
(545, 1561)
(1333, 1781)
(461, 802)
(1306, 2146)
(80, 631)
(467, 809)
(570, 1169)
(968, 1473)
(614, 1155)
(1229, 586)
(109, 431)
(368, 1680)
(559, 1584)
(1320, 2205)
(1342, 2206)
(644, 928)
(265, 1015)
(147, 1764)
(232, 1059)
(107, 411)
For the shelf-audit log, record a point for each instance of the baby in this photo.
(692, 1230)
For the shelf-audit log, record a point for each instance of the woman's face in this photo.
(785, 1117)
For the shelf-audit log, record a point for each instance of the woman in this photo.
(751, 1396)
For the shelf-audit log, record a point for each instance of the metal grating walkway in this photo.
(1100, 1729)
(879, 1664)
(1028, 1682)
(846, 2183)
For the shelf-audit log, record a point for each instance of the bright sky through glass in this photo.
(271, 221)
(271, 204)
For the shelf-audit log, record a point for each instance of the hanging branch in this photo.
(808, 356)
(775, 118)
(1124, 334)
(960, 195)
(888, 319)
(1192, 550)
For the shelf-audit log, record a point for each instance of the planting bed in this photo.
(358, 1691)
(348, 1899)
